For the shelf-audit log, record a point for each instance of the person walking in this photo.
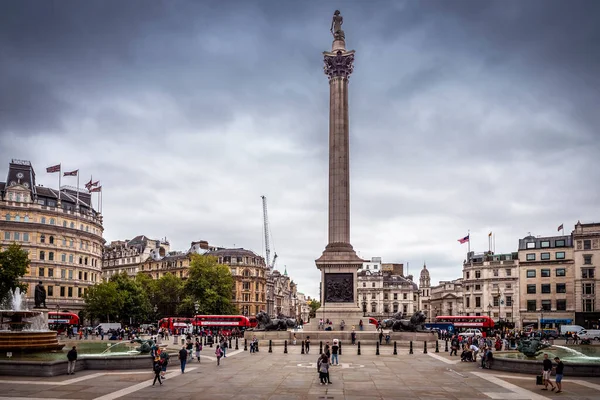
(547, 369)
(183, 356)
(560, 367)
(307, 344)
(219, 354)
(334, 352)
(72, 359)
(157, 370)
(360, 325)
(380, 337)
(198, 348)
(353, 336)
(454, 345)
(224, 347)
(164, 362)
(190, 349)
(323, 369)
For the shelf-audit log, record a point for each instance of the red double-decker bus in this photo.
(460, 322)
(60, 321)
(223, 323)
(174, 323)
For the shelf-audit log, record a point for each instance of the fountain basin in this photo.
(21, 341)
(578, 360)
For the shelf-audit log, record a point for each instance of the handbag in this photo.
(539, 380)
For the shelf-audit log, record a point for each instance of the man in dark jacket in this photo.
(183, 355)
(72, 359)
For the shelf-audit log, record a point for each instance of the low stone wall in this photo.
(366, 338)
(54, 368)
(534, 367)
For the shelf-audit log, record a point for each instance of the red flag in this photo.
(98, 189)
(72, 173)
(53, 169)
(560, 227)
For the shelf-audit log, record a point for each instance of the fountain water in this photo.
(25, 330)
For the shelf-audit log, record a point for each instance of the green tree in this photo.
(14, 263)
(136, 306)
(211, 284)
(314, 306)
(103, 301)
(168, 294)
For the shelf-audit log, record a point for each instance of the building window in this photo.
(560, 272)
(561, 305)
(477, 274)
(588, 305)
(477, 302)
(70, 291)
(17, 218)
(64, 223)
(545, 273)
(6, 235)
(42, 238)
(546, 288)
(531, 305)
(468, 274)
(560, 255)
(508, 272)
(8, 217)
(385, 296)
(43, 220)
(468, 300)
(404, 296)
(545, 256)
(587, 259)
(588, 288)
(495, 272)
(530, 245)
(395, 308)
(17, 236)
(508, 285)
(50, 272)
(63, 257)
(477, 287)
(373, 308)
(40, 271)
(52, 221)
(530, 289)
(51, 256)
(531, 273)
(42, 255)
(70, 274)
(373, 296)
(26, 237)
(72, 225)
(63, 273)
(530, 257)
(373, 284)
(62, 291)
(50, 290)
(587, 273)
(80, 275)
(561, 288)
(71, 258)
(51, 240)
(78, 292)
(509, 301)
(587, 244)
(544, 244)
(546, 305)
(559, 243)
(395, 296)
(496, 301)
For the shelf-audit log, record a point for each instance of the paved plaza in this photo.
(278, 376)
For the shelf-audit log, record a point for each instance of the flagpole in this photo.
(77, 206)
(469, 241)
(59, 177)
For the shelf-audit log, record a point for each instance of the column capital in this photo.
(338, 64)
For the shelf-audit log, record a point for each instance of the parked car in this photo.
(592, 334)
(471, 332)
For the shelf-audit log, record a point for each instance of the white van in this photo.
(589, 334)
(570, 328)
(108, 325)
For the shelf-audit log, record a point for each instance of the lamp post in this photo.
(541, 318)
(196, 308)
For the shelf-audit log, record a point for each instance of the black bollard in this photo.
(236, 344)
(302, 352)
(340, 347)
(446, 350)
(210, 342)
(395, 348)
(425, 347)
(285, 347)
(204, 340)
(376, 348)
(410, 351)
(358, 348)
(230, 342)
(437, 347)
(270, 346)
(321, 347)
(245, 344)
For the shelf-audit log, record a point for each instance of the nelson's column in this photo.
(339, 263)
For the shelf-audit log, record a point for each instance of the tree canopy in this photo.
(211, 284)
(14, 263)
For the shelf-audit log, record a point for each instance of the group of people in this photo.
(326, 360)
(547, 371)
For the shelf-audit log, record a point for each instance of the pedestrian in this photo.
(224, 347)
(72, 359)
(190, 349)
(380, 336)
(219, 354)
(454, 343)
(474, 349)
(198, 346)
(387, 338)
(360, 325)
(157, 370)
(294, 340)
(547, 365)
(323, 369)
(164, 362)
(560, 367)
(183, 356)
(342, 325)
(353, 336)
(334, 352)
(307, 344)
(328, 351)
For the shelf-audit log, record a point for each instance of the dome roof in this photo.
(424, 272)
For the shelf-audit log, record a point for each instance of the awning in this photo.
(556, 321)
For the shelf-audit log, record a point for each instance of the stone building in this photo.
(446, 299)
(281, 295)
(491, 286)
(59, 229)
(383, 293)
(546, 281)
(424, 291)
(250, 273)
(302, 307)
(586, 254)
(128, 255)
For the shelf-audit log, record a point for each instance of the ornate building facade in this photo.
(282, 297)
(59, 229)
(250, 273)
(128, 255)
(586, 240)
(491, 286)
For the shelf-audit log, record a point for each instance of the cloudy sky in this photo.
(463, 115)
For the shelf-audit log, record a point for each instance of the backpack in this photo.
(157, 367)
(218, 351)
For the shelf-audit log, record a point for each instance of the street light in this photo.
(541, 318)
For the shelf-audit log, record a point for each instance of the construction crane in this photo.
(267, 236)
